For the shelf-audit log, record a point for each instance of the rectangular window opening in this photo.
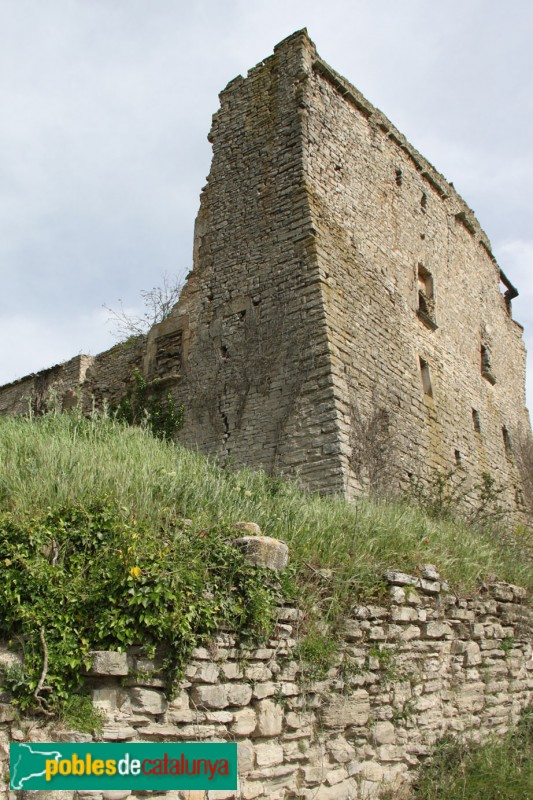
(507, 441)
(476, 420)
(426, 377)
(486, 364)
(426, 296)
(458, 458)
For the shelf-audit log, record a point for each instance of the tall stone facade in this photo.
(345, 319)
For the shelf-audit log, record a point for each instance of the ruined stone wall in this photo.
(388, 225)
(111, 374)
(343, 320)
(423, 664)
(63, 381)
(256, 381)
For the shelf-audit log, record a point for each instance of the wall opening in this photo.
(424, 202)
(426, 296)
(476, 420)
(486, 364)
(458, 458)
(399, 177)
(507, 441)
(426, 377)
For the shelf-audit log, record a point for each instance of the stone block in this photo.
(245, 722)
(268, 755)
(148, 701)
(239, 694)
(108, 662)
(401, 578)
(263, 551)
(343, 711)
(437, 630)
(206, 696)
(269, 719)
(383, 733)
(245, 757)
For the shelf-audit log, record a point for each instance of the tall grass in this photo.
(500, 769)
(340, 548)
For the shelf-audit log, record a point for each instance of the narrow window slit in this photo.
(507, 441)
(426, 377)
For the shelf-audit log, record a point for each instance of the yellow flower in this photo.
(135, 572)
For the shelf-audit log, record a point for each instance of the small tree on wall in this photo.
(158, 303)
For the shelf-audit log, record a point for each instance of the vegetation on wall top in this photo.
(110, 536)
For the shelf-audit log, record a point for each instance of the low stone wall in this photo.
(422, 664)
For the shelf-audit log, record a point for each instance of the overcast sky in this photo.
(106, 105)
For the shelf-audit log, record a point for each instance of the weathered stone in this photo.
(401, 578)
(248, 527)
(203, 673)
(245, 722)
(268, 755)
(341, 712)
(371, 771)
(238, 694)
(205, 696)
(269, 718)
(108, 662)
(383, 733)
(263, 551)
(245, 757)
(148, 701)
(437, 630)
(430, 572)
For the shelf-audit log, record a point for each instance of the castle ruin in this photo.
(345, 319)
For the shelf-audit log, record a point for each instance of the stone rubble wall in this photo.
(421, 665)
(298, 344)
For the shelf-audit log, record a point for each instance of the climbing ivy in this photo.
(145, 403)
(81, 579)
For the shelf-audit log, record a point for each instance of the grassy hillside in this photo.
(109, 536)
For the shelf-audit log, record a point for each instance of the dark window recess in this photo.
(169, 357)
(224, 352)
(426, 297)
(399, 177)
(426, 377)
(486, 364)
(507, 441)
(424, 202)
(476, 421)
(458, 458)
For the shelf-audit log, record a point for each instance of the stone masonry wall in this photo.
(343, 321)
(422, 664)
(253, 354)
(386, 219)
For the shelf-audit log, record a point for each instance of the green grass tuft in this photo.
(500, 769)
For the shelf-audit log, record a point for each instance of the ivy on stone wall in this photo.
(82, 579)
(146, 403)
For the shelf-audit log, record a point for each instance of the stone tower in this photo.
(345, 319)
